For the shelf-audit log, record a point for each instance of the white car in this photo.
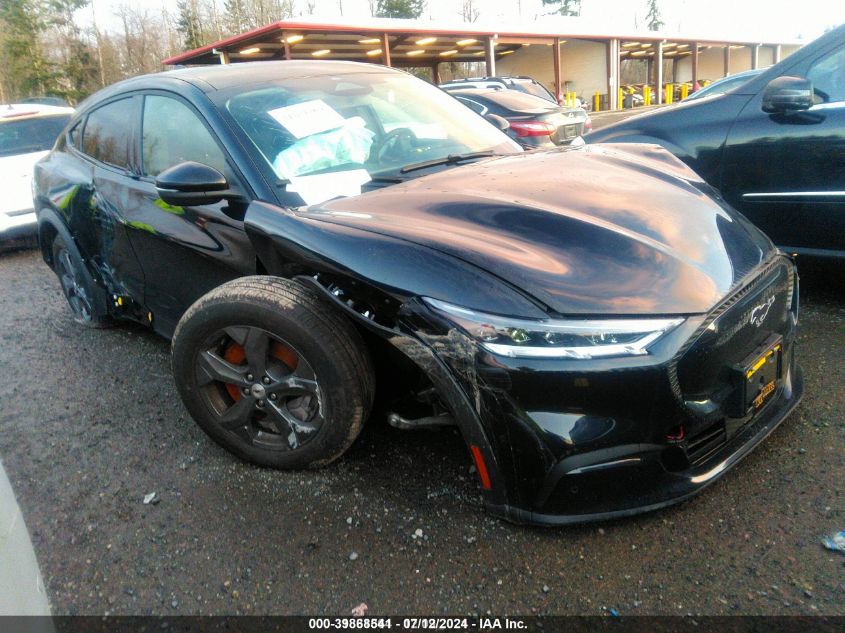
(27, 132)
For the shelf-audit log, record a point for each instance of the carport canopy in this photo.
(419, 43)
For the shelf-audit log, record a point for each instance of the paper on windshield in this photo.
(307, 118)
(322, 187)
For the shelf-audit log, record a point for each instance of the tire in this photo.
(273, 374)
(83, 296)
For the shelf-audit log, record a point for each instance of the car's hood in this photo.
(624, 229)
(16, 175)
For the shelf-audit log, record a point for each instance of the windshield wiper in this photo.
(451, 159)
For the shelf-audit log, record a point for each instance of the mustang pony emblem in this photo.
(760, 312)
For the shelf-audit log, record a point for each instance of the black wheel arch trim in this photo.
(447, 387)
(49, 217)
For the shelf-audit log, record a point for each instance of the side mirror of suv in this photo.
(192, 184)
(787, 94)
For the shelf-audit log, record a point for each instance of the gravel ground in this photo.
(91, 423)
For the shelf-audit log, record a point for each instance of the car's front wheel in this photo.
(272, 373)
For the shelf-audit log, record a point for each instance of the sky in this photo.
(768, 20)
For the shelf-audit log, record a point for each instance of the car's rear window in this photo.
(533, 88)
(519, 101)
(25, 136)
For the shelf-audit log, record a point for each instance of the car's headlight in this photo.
(556, 338)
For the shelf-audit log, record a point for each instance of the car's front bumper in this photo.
(638, 481)
(569, 441)
(15, 224)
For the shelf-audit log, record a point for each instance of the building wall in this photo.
(583, 66)
(711, 61)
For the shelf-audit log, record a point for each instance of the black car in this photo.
(518, 83)
(534, 122)
(607, 334)
(774, 146)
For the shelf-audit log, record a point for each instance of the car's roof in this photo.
(480, 92)
(225, 76)
(19, 111)
(231, 75)
(510, 99)
(499, 78)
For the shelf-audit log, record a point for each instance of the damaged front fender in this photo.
(376, 280)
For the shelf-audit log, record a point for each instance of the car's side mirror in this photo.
(788, 94)
(499, 121)
(191, 184)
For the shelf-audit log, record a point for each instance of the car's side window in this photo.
(74, 134)
(172, 133)
(108, 131)
(828, 76)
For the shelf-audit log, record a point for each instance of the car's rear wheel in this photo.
(77, 286)
(273, 374)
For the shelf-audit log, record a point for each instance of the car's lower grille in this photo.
(701, 446)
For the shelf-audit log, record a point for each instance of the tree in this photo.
(237, 15)
(190, 23)
(469, 11)
(564, 7)
(400, 8)
(653, 20)
(25, 68)
(43, 51)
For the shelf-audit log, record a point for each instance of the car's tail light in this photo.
(588, 125)
(532, 128)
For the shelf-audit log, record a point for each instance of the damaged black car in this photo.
(607, 334)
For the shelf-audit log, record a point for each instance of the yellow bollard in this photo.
(684, 91)
(596, 102)
(647, 95)
(669, 94)
(620, 103)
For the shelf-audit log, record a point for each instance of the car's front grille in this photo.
(704, 370)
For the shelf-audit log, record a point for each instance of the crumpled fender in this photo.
(311, 251)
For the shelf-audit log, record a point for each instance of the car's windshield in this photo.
(25, 136)
(351, 128)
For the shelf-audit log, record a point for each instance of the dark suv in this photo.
(774, 146)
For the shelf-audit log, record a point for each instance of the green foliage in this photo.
(653, 20)
(190, 24)
(400, 8)
(564, 7)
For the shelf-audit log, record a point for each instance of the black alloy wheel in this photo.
(76, 285)
(260, 387)
(273, 373)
